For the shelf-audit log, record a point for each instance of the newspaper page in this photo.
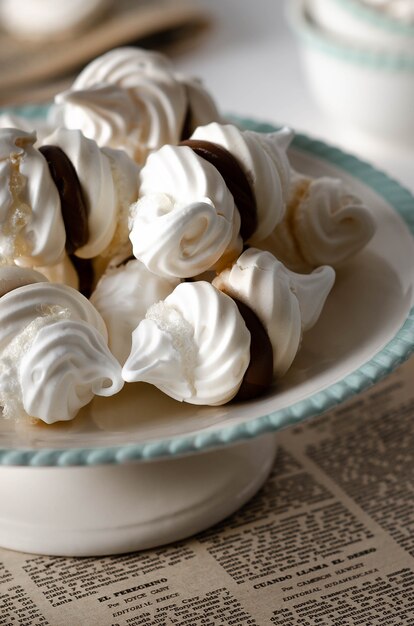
(329, 540)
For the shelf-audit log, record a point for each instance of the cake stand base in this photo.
(110, 509)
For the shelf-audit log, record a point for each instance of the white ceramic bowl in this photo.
(353, 22)
(364, 89)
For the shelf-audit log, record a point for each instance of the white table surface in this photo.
(249, 61)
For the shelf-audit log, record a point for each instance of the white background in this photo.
(250, 62)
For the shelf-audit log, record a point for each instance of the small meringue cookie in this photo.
(94, 172)
(148, 78)
(67, 364)
(109, 181)
(123, 296)
(31, 225)
(264, 161)
(185, 221)
(286, 303)
(194, 346)
(325, 224)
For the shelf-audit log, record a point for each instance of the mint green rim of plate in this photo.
(309, 34)
(376, 18)
(384, 362)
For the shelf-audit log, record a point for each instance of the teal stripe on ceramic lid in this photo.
(385, 361)
(311, 35)
(376, 17)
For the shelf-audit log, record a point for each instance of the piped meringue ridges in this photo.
(194, 346)
(325, 224)
(286, 303)
(53, 353)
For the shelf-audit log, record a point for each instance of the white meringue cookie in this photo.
(94, 172)
(185, 221)
(132, 99)
(105, 113)
(53, 353)
(31, 225)
(264, 161)
(123, 296)
(286, 303)
(325, 224)
(148, 78)
(38, 19)
(109, 181)
(67, 364)
(194, 346)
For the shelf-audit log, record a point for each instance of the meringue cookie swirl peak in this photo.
(325, 224)
(53, 353)
(285, 302)
(185, 221)
(133, 99)
(194, 346)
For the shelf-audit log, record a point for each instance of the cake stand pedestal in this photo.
(110, 509)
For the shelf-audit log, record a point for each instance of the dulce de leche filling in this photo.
(235, 179)
(72, 202)
(259, 374)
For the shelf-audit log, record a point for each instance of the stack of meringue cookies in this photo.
(143, 238)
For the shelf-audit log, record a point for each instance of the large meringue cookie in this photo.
(53, 353)
(264, 161)
(123, 296)
(185, 221)
(194, 346)
(131, 99)
(67, 364)
(325, 224)
(31, 225)
(286, 303)
(109, 183)
(148, 78)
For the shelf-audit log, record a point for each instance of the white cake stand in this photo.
(139, 469)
